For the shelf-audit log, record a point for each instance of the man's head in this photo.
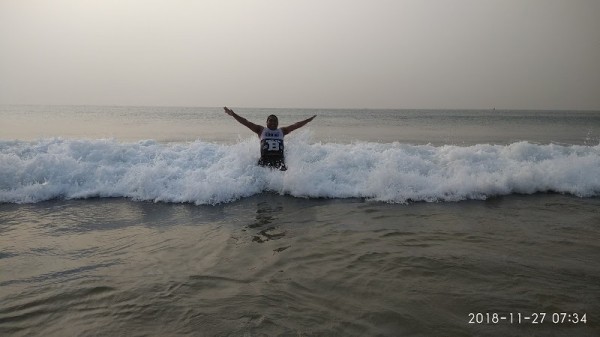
(272, 122)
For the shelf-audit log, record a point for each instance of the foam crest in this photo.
(210, 173)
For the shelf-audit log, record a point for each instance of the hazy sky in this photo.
(513, 54)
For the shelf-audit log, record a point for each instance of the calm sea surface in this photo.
(170, 124)
(136, 221)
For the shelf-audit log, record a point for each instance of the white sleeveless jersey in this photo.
(271, 143)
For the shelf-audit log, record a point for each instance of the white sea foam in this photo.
(211, 173)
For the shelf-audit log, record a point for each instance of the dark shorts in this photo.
(274, 163)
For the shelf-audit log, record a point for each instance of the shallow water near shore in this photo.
(279, 265)
(150, 221)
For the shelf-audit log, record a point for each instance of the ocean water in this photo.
(148, 221)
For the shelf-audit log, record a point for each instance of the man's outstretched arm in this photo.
(254, 127)
(288, 129)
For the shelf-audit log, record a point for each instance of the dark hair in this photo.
(272, 116)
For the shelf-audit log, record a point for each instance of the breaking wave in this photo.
(211, 173)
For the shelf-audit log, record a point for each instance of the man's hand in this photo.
(254, 127)
(228, 111)
(288, 129)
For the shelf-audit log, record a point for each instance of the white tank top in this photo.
(271, 143)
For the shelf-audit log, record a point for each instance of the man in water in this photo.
(271, 138)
